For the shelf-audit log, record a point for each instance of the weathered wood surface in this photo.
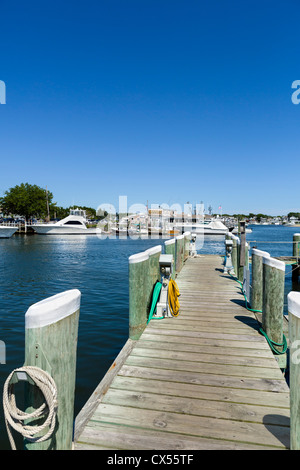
(204, 380)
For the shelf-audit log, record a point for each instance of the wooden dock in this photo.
(204, 380)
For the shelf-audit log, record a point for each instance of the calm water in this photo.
(35, 267)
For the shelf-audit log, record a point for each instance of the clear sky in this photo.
(161, 100)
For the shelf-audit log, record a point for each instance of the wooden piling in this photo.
(273, 299)
(296, 245)
(138, 293)
(154, 271)
(228, 267)
(187, 242)
(234, 254)
(296, 253)
(294, 337)
(179, 247)
(242, 253)
(170, 249)
(154, 254)
(257, 278)
(51, 330)
(240, 267)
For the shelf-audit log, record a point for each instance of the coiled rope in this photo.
(15, 418)
(173, 294)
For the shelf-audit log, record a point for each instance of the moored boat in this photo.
(215, 227)
(7, 231)
(74, 224)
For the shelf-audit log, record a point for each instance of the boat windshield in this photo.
(78, 212)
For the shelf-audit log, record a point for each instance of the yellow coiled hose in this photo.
(173, 294)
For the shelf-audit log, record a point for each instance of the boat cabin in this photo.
(78, 212)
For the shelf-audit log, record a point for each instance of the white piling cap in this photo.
(170, 242)
(53, 309)
(257, 252)
(139, 257)
(154, 250)
(274, 263)
(233, 237)
(294, 303)
(180, 237)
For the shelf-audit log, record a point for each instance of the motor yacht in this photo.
(214, 227)
(74, 224)
(7, 231)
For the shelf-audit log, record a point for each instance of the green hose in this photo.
(155, 297)
(271, 343)
(245, 297)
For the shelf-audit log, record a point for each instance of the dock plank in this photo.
(206, 379)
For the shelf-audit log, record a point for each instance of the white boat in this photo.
(7, 231)
(138, 232)
(119, 231)
(215, 227)
(74, 224)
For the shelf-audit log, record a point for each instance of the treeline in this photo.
(249, 216)
(31, 201)
(294, 214)
(57, 212)
(260, 216)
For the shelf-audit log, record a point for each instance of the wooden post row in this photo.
(144, 272)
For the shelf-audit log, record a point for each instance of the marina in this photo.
(149, 234)
(105, 302)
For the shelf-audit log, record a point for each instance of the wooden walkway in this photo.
(204, 380)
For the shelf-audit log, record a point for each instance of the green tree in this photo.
(294, 214)
(58, 212)
(26, 200)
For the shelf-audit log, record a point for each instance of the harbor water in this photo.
(33, 268)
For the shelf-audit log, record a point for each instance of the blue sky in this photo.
(161, 100)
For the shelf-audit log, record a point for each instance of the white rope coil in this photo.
(15, 418)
